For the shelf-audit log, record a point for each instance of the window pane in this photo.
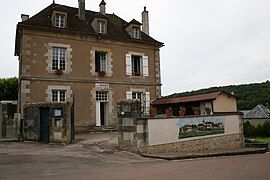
(62, 95)
(60, 20)
(102, 96)
(136, 65)
(54, 96)
(62, 59)
(54, 58)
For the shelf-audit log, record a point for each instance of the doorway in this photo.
(102, 112)
(45, 124)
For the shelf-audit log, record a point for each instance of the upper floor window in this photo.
(100, 61)
(101, 26)
(136, 32)
(58, 58)
(58, 95)
(136, 64)
(59, 20)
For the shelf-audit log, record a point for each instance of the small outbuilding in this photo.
(203, 104)
(258, 115)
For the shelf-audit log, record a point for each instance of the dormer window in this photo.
(60, 20)
(101, 26)
(136, 32)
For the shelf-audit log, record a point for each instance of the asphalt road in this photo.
(38, 161)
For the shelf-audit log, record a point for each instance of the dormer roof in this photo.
(115, 29)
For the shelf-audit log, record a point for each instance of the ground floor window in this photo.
(137, 95)
(59, 95)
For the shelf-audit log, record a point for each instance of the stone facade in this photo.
(36, 76)
(231, 141)
(60, 128)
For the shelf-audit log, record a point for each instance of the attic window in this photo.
(136, 32)
(101, 26)
(60, 20)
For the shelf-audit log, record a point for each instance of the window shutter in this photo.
(128, 65)
(128, 95)
(147, 102)
(145, 66)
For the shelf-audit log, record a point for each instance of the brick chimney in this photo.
(81, 9)
(102, 7)
(24, 17)
(145, 21)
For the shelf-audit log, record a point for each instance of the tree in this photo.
(266, 129)
(249, 130)
(8, 88)
(249, 95)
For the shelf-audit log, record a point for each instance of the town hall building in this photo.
(92, 59)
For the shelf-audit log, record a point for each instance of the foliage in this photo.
(259, 131)
(8, 88)
(250, 95)
(264, 140)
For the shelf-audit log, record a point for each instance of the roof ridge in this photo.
(260, 106)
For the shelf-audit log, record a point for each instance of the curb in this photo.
(203, 155)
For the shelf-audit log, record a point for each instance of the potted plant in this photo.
(101, 73)
(208, 110)
(196, 111)
(59, 71)
(169, 111)
(137, 73)
(182, 111)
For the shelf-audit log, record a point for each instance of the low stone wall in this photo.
(231, 141)
(177, 134)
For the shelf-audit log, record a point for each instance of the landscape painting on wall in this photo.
(192, 127)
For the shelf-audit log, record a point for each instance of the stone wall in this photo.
(231, 141)
(143, 135)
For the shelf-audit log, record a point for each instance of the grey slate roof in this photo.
(259, 112)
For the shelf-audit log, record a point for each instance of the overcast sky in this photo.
(207, 42)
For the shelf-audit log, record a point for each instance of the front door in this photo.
(102, 108)
(45, 124)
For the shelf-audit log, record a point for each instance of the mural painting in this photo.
(192, 127)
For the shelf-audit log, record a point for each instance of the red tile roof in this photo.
(201, 97)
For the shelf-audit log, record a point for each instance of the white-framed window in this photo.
(60, 20)
(137, 65)
(144, 97)
(137, 95)
(136, 32)
(101, 61)
(59, 95)
(101, 26)
(102, 96)
(58, 58)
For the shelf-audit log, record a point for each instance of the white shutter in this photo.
(145, 66)
(128, 95)
(147, 102)
(128, 65)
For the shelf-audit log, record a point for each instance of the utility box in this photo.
(8, 120)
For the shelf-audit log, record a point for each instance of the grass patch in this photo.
(264, 140)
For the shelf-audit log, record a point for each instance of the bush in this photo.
(249, 130)
(259, 131)
(266, 129)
